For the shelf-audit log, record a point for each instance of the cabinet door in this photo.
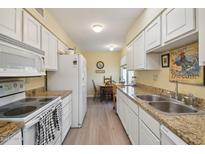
(11, 23)
(45, 46)
(49, 45)
(129, 57)
(146, 136)
(53, 53)
(153, 34)
(31, 30)
(201, 37)
(139, 52)
(133, 128)
(176, 22)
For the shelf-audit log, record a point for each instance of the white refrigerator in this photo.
(72, 75)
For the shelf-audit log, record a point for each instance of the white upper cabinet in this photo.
(201, 37)
(31, 31)
(138, 59)
(11, 23)
(139, 52)
(130, 57)
(153, 34)
(177, 22)
(49, 45)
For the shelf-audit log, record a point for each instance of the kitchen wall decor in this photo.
(184, 65)
(100, 65)
(165, 60)
(100, 71)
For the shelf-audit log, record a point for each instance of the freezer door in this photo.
(82, 89)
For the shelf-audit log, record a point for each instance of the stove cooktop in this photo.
(22, 108)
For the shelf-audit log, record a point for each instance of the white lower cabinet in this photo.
(140, 126)
(146, 136)
(15, 140)
(133, 131)
(128, 117)
(66, 115)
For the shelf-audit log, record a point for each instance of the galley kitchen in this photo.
(95, 79)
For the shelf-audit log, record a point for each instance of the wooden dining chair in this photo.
(114, 92)
(108, 81)
(95, 90)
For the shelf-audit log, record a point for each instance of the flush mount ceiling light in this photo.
(97, 28)
(111, 47)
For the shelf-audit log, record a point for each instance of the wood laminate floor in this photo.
(101, 127)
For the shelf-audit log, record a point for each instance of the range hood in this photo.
(16, 61)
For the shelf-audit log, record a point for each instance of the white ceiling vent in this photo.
(40, 11)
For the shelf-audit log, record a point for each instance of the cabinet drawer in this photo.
(150, 122)
(14, 140)
(146, 136)
(128, 101)
(169, 138)
(133, 106)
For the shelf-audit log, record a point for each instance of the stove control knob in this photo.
(21, 85)
(15, 85)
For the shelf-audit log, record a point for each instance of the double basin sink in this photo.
(167, 105)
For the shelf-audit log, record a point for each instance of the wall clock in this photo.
(100, 65)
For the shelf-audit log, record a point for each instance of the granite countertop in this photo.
(189, 127)
(9, 128)
(62, 93)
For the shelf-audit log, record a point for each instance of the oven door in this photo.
(29, 134)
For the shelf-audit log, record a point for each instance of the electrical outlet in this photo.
(155, 77)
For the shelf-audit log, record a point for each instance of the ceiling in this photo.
(77, 23)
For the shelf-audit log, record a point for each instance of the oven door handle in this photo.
(31, 123)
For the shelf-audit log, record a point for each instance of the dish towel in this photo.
(45, 129)
(57, 117)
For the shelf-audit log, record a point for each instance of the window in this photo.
(130, 75)
(126, 76)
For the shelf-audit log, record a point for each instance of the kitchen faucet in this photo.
(176, 90)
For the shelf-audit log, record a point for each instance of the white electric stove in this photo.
(15, 106)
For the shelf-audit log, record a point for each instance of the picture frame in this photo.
(184, 65)
(165, 60)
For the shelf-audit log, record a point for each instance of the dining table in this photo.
(106, 92)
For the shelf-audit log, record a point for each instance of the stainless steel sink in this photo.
(167, 105)
(152, 98)
(172, 107)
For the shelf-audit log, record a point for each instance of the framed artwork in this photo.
(100, 65)
(165, 60)
(184, 65)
